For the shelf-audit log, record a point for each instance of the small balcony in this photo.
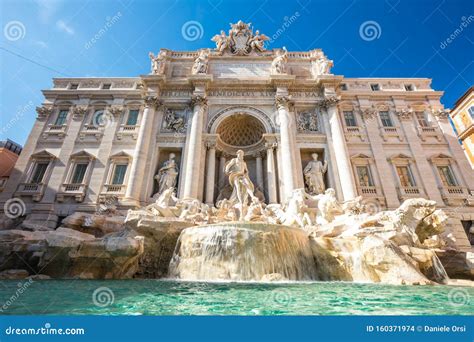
(112, 191)
(56, 131)
(354, 132)
(90, 130)
(406, 192)
(428, 131)
(128, 130)
(456, 195)
(388, 132)
(78, 191)
(369, 191)
(33, 190)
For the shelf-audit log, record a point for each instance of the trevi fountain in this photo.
(317, 250)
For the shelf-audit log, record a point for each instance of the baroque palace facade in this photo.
(108, 140)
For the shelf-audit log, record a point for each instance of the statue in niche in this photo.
(157, 62)
(321, 66)
(201, 63)
(167, 175)
(242, 186)
(222, 42)
(173, 122)
(314, 175)
(279, 63)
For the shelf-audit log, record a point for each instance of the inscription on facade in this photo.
(230, 70)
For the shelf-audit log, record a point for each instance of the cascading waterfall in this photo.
(243, 252)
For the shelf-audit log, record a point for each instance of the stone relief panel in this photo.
(307, 122)
(174, 121)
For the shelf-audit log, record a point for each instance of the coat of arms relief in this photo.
(241, 40)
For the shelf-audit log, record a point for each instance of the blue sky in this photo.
(42, 39)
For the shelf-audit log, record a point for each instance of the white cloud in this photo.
(46, 9)
(62, 26)
(41, 44)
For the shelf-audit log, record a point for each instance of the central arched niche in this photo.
(241, 130)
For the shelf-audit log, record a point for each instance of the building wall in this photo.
(106, 142)
(464, 123)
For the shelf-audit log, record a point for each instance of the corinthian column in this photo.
(287, 149)
(194, 148)
(340, 148)
(271, 179)
(141, 148)
(211, 170)
(258, 160)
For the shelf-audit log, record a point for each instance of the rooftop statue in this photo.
(240, 41)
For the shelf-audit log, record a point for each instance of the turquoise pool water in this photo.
(161, 297)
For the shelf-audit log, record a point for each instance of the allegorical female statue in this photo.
(242, 186)
(167, 175)
(314, 175)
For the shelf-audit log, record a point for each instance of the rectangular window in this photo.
(386, 120)
(73, 86)
(447, 176)
(97, 118)
(119, 174)
(343, 86)
(409, 87)
(79, 173)
(132, 117)
(364, 176)
(375, 87)
(61, 119)
(350, 119)
(106, 86)
(38, 174)
(421, 118)
(471, 111)
(405, 176)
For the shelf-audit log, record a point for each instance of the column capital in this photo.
(152, 101)
(329, 101)
(440, 113)
(78, 112)
(115, 110)
(283, 101)
(404, 113)
(44, 111)
(198, 99)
